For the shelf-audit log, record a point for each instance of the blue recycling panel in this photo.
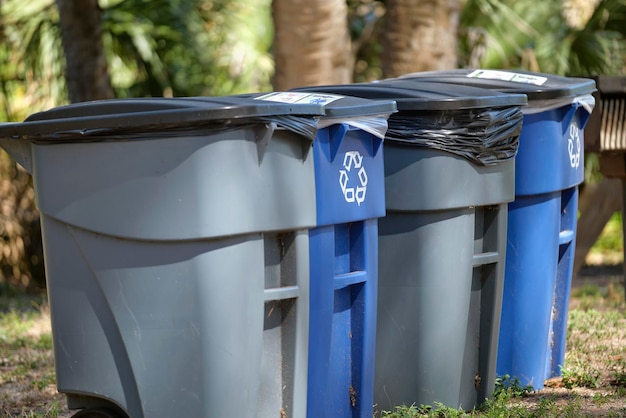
(344, 272)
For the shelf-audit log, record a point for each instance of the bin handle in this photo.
(263, 135)
(584, 117)
(575, 109)
(337, 133)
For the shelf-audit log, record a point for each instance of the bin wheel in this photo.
(96, 413)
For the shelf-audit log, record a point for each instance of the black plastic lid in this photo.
(418, 95)
(537, 86)
(335, 106)
(138, 113)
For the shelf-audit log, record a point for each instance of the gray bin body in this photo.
(177, 270)
(441, 265)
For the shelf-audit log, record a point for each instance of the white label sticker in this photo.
(353, 178)
(298, 97)
(509, 76)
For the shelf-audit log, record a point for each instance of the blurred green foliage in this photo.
(154, 48)
(568, 37)
(188, 47)
(217, 47)
(31, 74)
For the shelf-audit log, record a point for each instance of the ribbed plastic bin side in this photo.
(177, 257)
(441, 257)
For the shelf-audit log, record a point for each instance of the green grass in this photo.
(592, 296)
(611, 238)
(609, 248)
(27, 377)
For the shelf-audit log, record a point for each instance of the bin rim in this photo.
(138, 113)
(536, 86)
(426, 95)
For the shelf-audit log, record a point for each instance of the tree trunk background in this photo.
(420, 35)
(311, 43)
(86, 69)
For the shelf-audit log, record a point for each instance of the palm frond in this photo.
(545, 41)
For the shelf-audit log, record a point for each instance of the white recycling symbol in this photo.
(573, 146)
(353, 169)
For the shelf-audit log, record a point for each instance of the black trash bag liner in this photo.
(483, 136)
(303, 126)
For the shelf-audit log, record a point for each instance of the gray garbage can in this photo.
(442, 243)
(176, 250)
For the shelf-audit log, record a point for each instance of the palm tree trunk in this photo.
(86, 69)
(420, 35)
(311, 43)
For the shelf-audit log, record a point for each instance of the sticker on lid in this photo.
(509, 76)
(297, 97)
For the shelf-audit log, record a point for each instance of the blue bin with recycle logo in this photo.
(449, 175)
(542, 219)
(343, 249)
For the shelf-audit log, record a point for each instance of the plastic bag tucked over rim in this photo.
(483, 136)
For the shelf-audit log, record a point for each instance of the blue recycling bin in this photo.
(350, 196)
(448, 179)
(343, 293)
(542, 218)
(343, 248)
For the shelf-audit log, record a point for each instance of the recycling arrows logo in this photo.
(353, 178)
(573, 146)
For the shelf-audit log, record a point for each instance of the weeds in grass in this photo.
(499, 405)
(438, 411)
(27, 376)
(617, 366)
(53, 410)
(586, 377)
(597, 347)
(511, 387)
